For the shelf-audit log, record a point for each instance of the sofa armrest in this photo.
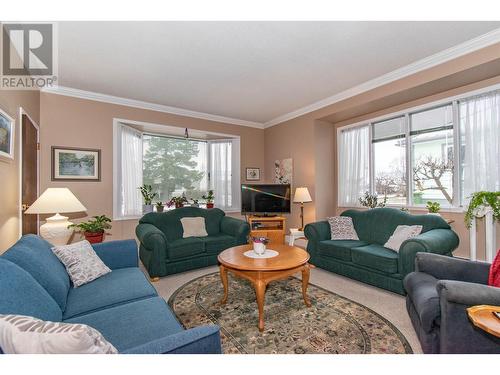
(438, 241)
(153, 241)
(118, 254)
(316, 232)
(468, 294)
(199, 340)
(448, 268)
(236, 228)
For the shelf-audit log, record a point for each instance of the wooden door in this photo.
(29, 181)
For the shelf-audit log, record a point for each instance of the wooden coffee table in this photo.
(261, 272)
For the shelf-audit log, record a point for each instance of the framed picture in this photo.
(75, 164)
(253, 174)
(6, 136)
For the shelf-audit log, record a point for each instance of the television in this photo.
(265, 199)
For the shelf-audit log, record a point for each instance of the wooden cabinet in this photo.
(271, 227)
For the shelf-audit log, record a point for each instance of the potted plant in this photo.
(371, 200)
(209, 198)
(159, 206)
(480, 202)
(433, 208)
(93, 229)
(148, 195)
(196, 202)
(177, 201)
(259, 244)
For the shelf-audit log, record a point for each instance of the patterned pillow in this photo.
(342, 228)
(401, 234)
(81, 262)
(26, 335)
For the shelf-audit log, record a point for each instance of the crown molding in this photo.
(95, 96)
(462, 49)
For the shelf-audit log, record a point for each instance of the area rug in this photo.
(333, 325)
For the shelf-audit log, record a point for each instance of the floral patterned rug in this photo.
(334, 324)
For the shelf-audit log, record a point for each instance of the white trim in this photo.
(95, 96)
(22, 113)
(454, 52)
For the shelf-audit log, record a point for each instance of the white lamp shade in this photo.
(302, 195)
(56, 200)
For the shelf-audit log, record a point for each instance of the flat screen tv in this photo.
(265, 199)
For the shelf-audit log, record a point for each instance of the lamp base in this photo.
(56, 230)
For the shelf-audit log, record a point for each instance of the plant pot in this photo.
(159, 209)
(210, 205)
(179, 205)
(147, 208)
(259, 248)
(94, 237)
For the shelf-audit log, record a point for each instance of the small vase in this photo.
(179, 205)
(147, 208)
(159, 209)
(259, 248)
(93, 237)
(210, 205)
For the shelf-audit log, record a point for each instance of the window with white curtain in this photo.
(442, 153)
(173, 166)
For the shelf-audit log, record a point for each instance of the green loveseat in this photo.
(163, 251)
(367, 260)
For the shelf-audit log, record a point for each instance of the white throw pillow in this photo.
(81, 262)
(342, 228)
(27, 335)
(401, 234)
(193, 227)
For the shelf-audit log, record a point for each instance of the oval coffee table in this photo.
(260, 272)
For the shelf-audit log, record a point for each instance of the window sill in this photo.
(456, 210)
(126, 218)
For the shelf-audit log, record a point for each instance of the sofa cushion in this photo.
(34, 255)
(421, 289)
(132, 324)
(215, 244)
(22, 295)
(340, 249)
(186, 247)
(120, 286)
(376, 257)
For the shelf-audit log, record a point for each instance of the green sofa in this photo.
(367, 260)
(163, 251)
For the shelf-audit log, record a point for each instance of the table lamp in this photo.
(56, 200)
(302, 196)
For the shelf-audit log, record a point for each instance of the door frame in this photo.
(22, 113)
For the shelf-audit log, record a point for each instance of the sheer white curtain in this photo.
(480, 134)
(354, 165)
(221, 173)
(130, 171)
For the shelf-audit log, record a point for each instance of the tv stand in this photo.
(271, 227)
(264, 215)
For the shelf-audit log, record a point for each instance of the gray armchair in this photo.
(439, 292)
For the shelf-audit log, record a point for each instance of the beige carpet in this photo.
(390, 305)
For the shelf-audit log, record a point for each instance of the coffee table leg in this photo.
(223, 276)
(305, 282)
(260, 291)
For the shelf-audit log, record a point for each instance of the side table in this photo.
(295, 234)
(482, 317)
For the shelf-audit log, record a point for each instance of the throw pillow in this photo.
(27, 335)
(401, 234)
(494, 276)
(193, 227)
(81, 262)
(342, 228)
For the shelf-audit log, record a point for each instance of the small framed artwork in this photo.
(76, 164)
(253, 174)
(6, 137)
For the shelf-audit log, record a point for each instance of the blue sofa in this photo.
(122, 305)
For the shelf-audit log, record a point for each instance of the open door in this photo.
(29, 174)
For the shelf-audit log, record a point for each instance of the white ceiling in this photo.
(253, 71)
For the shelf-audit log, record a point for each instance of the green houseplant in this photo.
(371, 200)
(159, 206)
(93, 229)
(209, 198)
(478, 201)
(177, 201)
(433, 207)
(148, 196)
